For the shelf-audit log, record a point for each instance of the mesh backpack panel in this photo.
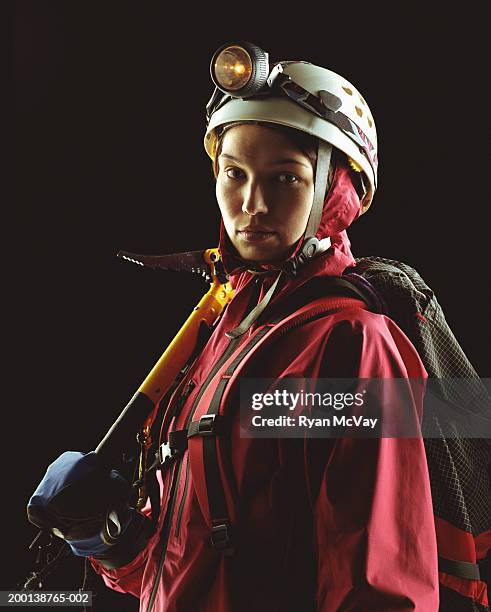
(459, 466)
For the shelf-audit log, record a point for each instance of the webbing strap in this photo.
(321, 179)
(221, 536)
(318, 287)
(461, 569)
(205, 426)
(220, 531)
(255, 312)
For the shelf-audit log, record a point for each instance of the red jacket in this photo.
(325, 524)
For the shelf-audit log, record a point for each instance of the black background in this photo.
(109, 118)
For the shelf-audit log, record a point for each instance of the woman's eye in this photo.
(234, 173)
(287, 179)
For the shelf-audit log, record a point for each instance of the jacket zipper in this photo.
(184, 396)
(172, 494)
(164, 537)
(181, 505)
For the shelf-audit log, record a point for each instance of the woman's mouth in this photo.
(255, 234)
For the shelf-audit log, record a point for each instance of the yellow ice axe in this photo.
(139, 413)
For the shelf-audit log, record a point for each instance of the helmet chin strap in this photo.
(312, 246)
(324, 153)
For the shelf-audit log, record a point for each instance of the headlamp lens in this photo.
(232, 68)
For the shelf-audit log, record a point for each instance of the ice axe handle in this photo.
(121, 435)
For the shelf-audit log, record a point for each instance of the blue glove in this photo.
(81, 501)
(115, 525)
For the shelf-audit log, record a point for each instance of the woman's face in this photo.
(264, 188)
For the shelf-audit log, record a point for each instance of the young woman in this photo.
(301, 524)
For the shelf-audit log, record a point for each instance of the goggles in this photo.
(243, 70)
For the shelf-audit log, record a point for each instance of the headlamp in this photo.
(240, 69)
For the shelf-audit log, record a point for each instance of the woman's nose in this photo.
(254, 201)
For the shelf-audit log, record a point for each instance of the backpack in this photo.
(459, 466)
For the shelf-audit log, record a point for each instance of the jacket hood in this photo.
(341, 208)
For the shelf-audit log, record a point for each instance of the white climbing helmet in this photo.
(296, 94)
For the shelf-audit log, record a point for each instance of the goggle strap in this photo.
(324, 153)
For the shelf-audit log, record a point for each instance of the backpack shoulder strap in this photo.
(326, 287)
(203, 435)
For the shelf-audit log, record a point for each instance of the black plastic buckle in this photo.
(206, 425)
(220, 538)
